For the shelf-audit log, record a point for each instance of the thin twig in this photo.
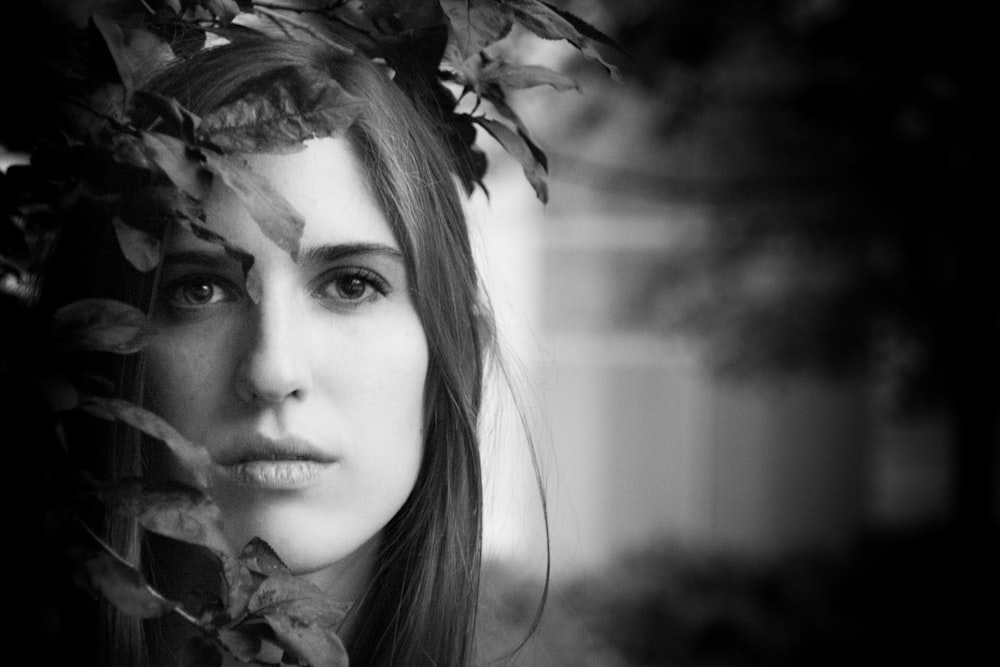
(174, 607)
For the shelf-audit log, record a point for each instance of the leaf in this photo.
(125, 587)
(114, 39)
(550, 23)
(585, 28)
(403, 15)
(142, 250)
(272, 121)
(172, 509)
(516, 144)
(170, 110)
(224, 10)
(244, 645)
(303, 618)
(286, 589)
(153, 209)
(510, 75)
(476, 24)
(103, 325)
(275, 216)
(307, 639)
(194, 459)
(240, 585)
(199, 651)
(181, 164)
(127, 149)
(59, 393)
(254, 284)
(262, 559)
(132, 48)
(202, 232)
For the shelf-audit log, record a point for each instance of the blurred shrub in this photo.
(890, 597)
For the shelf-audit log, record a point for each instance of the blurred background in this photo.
(754, 334)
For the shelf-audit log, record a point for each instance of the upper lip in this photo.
(258, 447)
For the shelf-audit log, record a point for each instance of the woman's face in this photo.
(310, 400)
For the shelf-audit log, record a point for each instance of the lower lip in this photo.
(277, 475)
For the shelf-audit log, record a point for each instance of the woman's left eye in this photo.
(352, 287)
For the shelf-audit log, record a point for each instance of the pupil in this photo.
(352, 287)
(199, 293)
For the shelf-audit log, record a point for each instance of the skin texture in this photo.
(330, 364)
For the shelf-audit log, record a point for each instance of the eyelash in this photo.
(221, 287)
(370, 280)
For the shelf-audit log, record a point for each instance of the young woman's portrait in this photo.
(269, 337)
(496, 333)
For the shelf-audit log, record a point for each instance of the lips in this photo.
(286, 463)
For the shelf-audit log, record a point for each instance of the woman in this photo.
(337, 392)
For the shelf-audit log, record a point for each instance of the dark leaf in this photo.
(181, 164)
(275, 216)
(224, 10)
(254, 285)
(200, 652)
(240, 585)
(124, 587)
(262, 559)
(519, 147)
(114, 39)
(154, 209)
(284, 589)
(142, 250)
(245, 259)
(396, 16)
(495, 95)
(550, 23)
(132, 48)
(307, 639)
(243, 643)
(103, 325)
(194, 459)
(585, 28)
(509, 75)
(272, 122)
(303, 618)
(169, 109)
(59, 393)
(127, 149)
(172, 509)
(476, 24)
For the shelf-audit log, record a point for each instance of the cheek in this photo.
(388, 376)
(181, 377)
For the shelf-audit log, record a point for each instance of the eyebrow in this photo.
(308, 256)
(322, 254)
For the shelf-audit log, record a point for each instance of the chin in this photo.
(305, 542)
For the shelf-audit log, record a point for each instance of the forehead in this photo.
(323, 182)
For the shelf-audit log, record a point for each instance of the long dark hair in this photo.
(420, 606)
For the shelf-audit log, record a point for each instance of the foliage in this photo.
(101, 146)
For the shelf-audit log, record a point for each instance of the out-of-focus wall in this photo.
(639, 442)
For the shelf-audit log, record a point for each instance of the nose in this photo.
(272, 368)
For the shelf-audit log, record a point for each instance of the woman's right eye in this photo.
(198, 292)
